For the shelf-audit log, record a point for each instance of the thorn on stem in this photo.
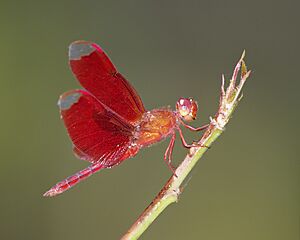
(240, 98)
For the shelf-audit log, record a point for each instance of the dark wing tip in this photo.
(67, 99)
(80, 48)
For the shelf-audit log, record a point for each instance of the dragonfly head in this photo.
(187, 108)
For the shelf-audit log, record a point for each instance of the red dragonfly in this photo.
(107, 121)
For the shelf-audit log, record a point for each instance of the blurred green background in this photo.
(246, 186)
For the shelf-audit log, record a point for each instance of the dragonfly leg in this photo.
(185, 144)
(193, 128)
(168, 154)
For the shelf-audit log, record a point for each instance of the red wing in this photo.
(96, 132)
(97, 74)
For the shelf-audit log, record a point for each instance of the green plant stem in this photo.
(172, 189)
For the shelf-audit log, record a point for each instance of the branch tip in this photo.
(223, 86)
(243, 54)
